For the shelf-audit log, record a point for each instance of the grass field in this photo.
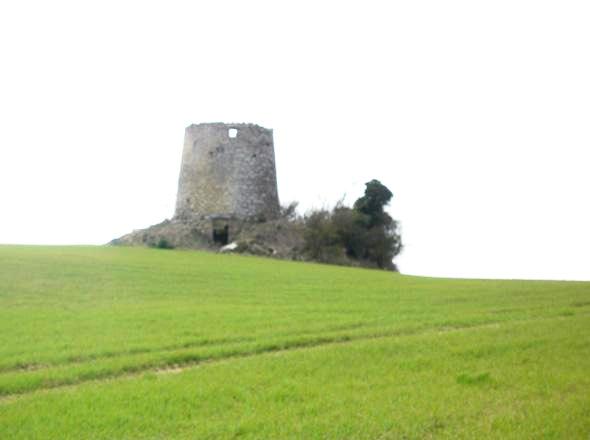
(104, 343)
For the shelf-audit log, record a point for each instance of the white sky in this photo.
(475, 114)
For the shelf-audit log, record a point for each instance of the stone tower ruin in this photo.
(227, 172)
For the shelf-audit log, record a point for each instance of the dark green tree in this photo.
(376, 197)
(382, 240)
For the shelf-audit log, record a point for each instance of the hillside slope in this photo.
(104, 342)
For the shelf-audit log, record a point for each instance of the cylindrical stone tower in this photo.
(227, 170)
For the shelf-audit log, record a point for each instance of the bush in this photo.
(365, 234)
(322, 242)
(289, 212)
(162, 243)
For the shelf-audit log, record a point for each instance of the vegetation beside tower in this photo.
(364, 234)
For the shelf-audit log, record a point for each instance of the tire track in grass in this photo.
(271, 348)
(83, 358)
(276, 348)
(57, 377)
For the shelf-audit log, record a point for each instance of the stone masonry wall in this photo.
(227, 176)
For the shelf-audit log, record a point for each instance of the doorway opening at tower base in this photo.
(221, 236)
(220, 233)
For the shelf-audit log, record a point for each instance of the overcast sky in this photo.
(475, 114)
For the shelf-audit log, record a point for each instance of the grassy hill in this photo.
(103, 342)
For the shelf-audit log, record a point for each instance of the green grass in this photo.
(101, 342)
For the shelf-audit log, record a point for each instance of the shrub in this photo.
(365, 234)
(162, 243)
(289, 212)
(322, 242)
